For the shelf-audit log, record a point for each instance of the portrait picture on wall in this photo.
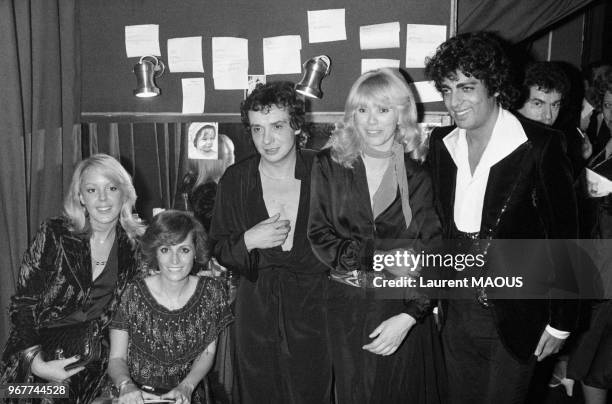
(253, 81)
(203, 141)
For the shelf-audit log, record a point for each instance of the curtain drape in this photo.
(39, 111)
(514, 20)
(153, 153)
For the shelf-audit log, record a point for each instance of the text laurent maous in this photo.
(469, 282)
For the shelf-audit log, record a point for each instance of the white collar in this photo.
(508, 134)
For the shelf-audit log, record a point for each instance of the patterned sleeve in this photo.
(121, 319)
(221, 314)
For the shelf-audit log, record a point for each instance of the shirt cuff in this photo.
(557, 333)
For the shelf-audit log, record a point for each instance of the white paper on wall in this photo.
(142, 40)
(326, 25)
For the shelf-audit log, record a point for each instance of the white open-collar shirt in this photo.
(507, 136)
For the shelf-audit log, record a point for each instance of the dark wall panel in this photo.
(108, 80)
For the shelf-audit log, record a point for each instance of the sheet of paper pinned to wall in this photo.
(193, 95)
(373, 64)
(422, 41)
(185, 54)
(380, 36)
(326, 25)
(427, 91)
(230, 63)
(282, 54)
(142, 40)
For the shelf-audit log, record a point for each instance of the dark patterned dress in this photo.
(164, 343)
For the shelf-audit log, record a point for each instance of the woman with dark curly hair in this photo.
(163, 336)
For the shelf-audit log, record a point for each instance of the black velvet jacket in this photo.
(342, 230)
(55, 281)
(529, 195)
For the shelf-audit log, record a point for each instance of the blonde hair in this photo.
(212, 170)
(114, 171)
(384, 87)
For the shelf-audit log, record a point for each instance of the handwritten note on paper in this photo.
(380, 36)
(185, 54)
(193, 95)
(282, 54)
(230, 63)
(373, 64)
(142, 40)
(427, 91)
(422, 41)
(326, 25)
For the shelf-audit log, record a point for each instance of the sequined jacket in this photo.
(55, 281)
(529, 195)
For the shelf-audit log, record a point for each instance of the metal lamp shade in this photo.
(315, 69)
(145, 79)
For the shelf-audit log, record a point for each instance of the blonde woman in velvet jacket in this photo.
(74, 271)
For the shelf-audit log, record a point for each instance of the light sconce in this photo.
(146, 70)
(315, 69)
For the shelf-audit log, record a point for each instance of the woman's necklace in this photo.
(100, 250)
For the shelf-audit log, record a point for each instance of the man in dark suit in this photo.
(496, 176)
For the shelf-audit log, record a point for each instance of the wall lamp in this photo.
(315, 69)
(146, 70)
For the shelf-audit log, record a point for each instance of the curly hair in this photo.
(281, 94)
(386, 87)
(546, 77)
(108, 166)
(478, 54)
(171, 227)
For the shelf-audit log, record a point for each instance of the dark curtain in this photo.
(153, 154)
(514, 20)
(39, 110)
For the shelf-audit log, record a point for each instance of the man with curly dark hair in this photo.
(496, 176)
(258, 230)
(544, 86)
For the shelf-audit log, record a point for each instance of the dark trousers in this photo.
(480, 369)
(282, 351)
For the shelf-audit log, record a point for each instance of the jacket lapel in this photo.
(77, 258)
(447, 180)
(503, 179)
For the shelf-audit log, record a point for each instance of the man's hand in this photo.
(53, 371)
(390, 334)
(547, 346)
(268, 233)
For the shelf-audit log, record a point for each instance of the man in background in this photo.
(544, 90)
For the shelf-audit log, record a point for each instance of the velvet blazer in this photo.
(343, 231)
(529, 195)
(55, 281)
